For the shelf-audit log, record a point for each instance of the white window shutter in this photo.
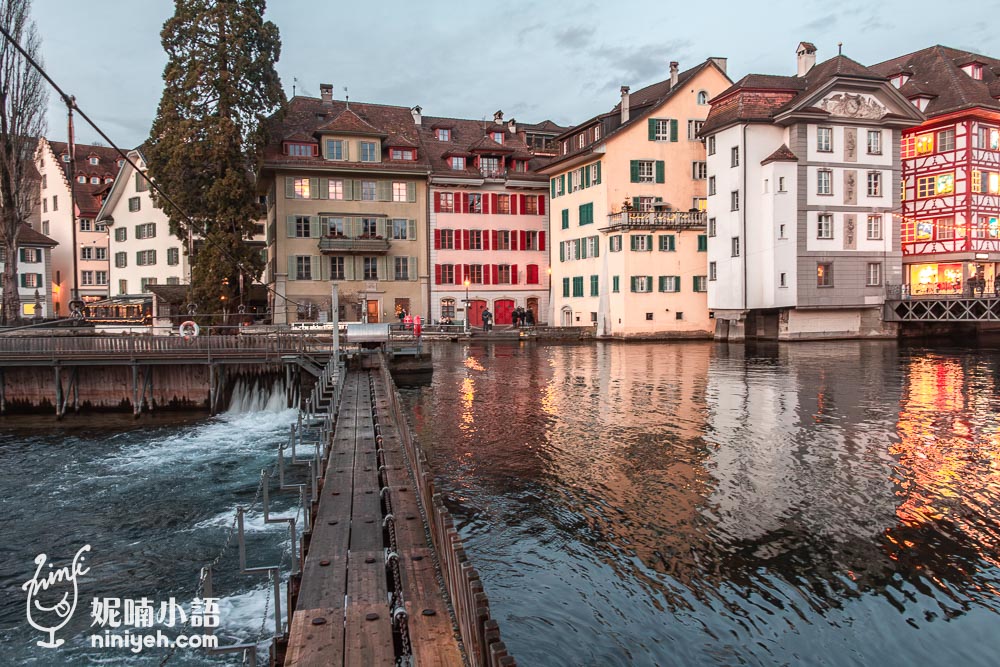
(411, 192)
(411, 230)
(412, 266)
(291, 268)
(349, 267)
(291, 226)
(314, 227)
(317, 270)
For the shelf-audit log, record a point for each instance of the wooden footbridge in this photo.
(385, 579)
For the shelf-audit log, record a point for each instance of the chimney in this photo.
(415, 112)
(673, 73)
(624, 104)
(720, 63)
(512, 126)
(498, 117)
(326, 92)
(806, 57)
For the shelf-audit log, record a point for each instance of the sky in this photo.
(563, 61)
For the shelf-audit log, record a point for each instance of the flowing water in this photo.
(698, 504)
(155, 499)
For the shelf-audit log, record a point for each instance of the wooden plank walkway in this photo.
(343, 614)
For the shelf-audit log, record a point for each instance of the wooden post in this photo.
(149, 381)
(59, 392)
(3, 392)
(136, 406)
(211, 388)
(76, 389)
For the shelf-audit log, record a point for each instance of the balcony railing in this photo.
(657, 220)
(493, 173)
(350, 244)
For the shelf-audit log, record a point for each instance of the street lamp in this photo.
(467, 323)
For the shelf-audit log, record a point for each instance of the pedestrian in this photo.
(996, 285)
(516, 317)
(487, 316)
(529, 317)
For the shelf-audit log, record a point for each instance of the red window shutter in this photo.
(532, 277)
(514, 201)
(513, 240)
(487, 275)
(524, 206)
(465, 270)
(513, 274)
(496, 274)
(465, 239)
(437, 202)
(458, 202)
(437, 240)
(458, 274)
(316, 150)
(524, 240)
(541, 204)
(541, 240)
(493, 203)
(437, 274)
(486, 203)
(496, 239)
(486, 239)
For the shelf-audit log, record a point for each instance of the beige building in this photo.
(627, 218)
(346, 191)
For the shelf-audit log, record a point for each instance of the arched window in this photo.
(95, 180)
(447, 310)
(81, 179)
(702, 97)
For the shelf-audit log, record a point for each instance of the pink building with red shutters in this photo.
(488, 221)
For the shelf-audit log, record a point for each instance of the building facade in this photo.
(628, 195)
(141, 249)
(950, 222)
(346, 199)
(803, 179)
(488, 221)
(34, 273)
(94, 170)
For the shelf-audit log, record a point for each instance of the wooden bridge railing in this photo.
(480, 632)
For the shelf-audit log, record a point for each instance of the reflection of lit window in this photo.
(945, 184)
(994, 139)
(925, 144)
(994, 227)
(994, 183)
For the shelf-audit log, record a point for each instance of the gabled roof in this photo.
(117, 187)
(26, 236)
(349, 122)
(469, 137)
(937, 71)
(87, 195)
(783, 154)
(486, 144)
(546, 126)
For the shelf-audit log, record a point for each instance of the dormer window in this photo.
(120, 163)
(497, 137)
(301, 150)
(95, 180)
(369, 151)
(702, 97)
(921, 102)
(521, 165)
(975, 70)
(95, 160)
(65, 157)
(581, 140)
(81, 179)
(443, 134)
(403, 154)
(597, 133)
(457, 163)
(565, 147)
(900, 79)
(108, 179)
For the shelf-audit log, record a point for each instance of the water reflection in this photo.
(701, 504)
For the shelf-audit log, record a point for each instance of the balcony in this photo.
(362, 245)
(626, 220)
(498, 173)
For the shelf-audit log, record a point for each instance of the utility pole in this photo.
(75, 304)
(335, 318)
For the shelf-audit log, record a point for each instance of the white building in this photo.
(803, 176)
(141, 249)
(34, 272)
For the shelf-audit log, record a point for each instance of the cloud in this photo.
(820, 23)
(574, 38)
(641, 63)
(522, 34)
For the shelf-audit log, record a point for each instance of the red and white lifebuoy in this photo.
(188, 330)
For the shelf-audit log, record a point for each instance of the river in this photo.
(698, 504)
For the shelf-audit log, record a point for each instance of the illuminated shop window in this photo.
(994, 183)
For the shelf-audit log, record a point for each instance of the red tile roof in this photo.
(88, 195)
(937, 71)
(26, 236)
(783, 154)
(470, 137)
(349, 122)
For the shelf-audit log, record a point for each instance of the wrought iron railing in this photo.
(657, 219)
(350, 244)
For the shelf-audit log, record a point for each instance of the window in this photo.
(531, 241)
(924, 144)
(368, 189)
(945, 228)
(734, 156)
(824, 274)
(667, 243)
(824, 139)
(32, 255)
(615, 284)
(81, 179)
(101, 226)
(94, 160)
(475, 201)
(694, 127)
(711, 227)
(587, 214)
(711, 145)
(699, 203)
(824, 182)
(458, 163)
(699, 171)
(443, 134)
(670, 284)
(503, 274)
(86, 225)
(447, 309)
(565, 218)
(645, 171)
(702, 97)
(402, 268)
(369, 151)
(530, 205)
(447, 239)
(400, 230)
(713, 271)
(86, 277)
(333, 226)
(173, 256)
(874, 142)
(781, 184)
(448, 274)
(581, 140)
(123, 287)
(925, 186)
(399, 191)
(337, 268)
(475, 239)
(615, 243)
(783, 280)
(335, 189)
(711, 185)
(734, 200)
(824, 226)
(701, 283)
(644, 204)
(476, 274)
(503, 204)
(87, 253)
(45, 205)
(369, 227)
(300, 188)
(874, 274)
(874, 184)
(370, 268)
(503, 240)
(101, 277)
(578, 286)
(121, 260)
(146, 231)
(402, 154)
(65, 157)
(303, 227)
(874, 227)
(946, 140)
(735, 246)
(45, 227)
(497, 137)
(977, 180)
(146, 282)
(145, 258)
(133, 204)
(661, 129)
(33, 279)
(447, 202)
(702, 243)
(642, 243)
(490, 166)
(300, 150)
(334, 149)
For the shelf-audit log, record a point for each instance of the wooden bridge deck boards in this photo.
(345, 580)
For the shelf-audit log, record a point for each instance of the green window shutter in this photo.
(633, 166)
(314, 229)
(651, 124)
(702, 243)
(324, 188)
(586, 177)
(594, 287)
(314, 188)
(348, 189)
(598, 179)
(614, 284)
(357, 190)
(597, 246)
(291, 268)
(385, 268)
(565, 218)
(565, 287)
(315, 262)
(659, 171)
(562, 183)
(411, 264)
(635, 203)
(663, 283)
(291, 226)
(380, 227)
(576, 249)
(347, 150)
(411, 191)
(578, 286)
(634, 280)
(562, 251)
(673, 129)
(349, 270)
(383, 190)
(553, 184)
(411, 230)
(289, 187)
(632, 243)
(649, 243)
(24, 280)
